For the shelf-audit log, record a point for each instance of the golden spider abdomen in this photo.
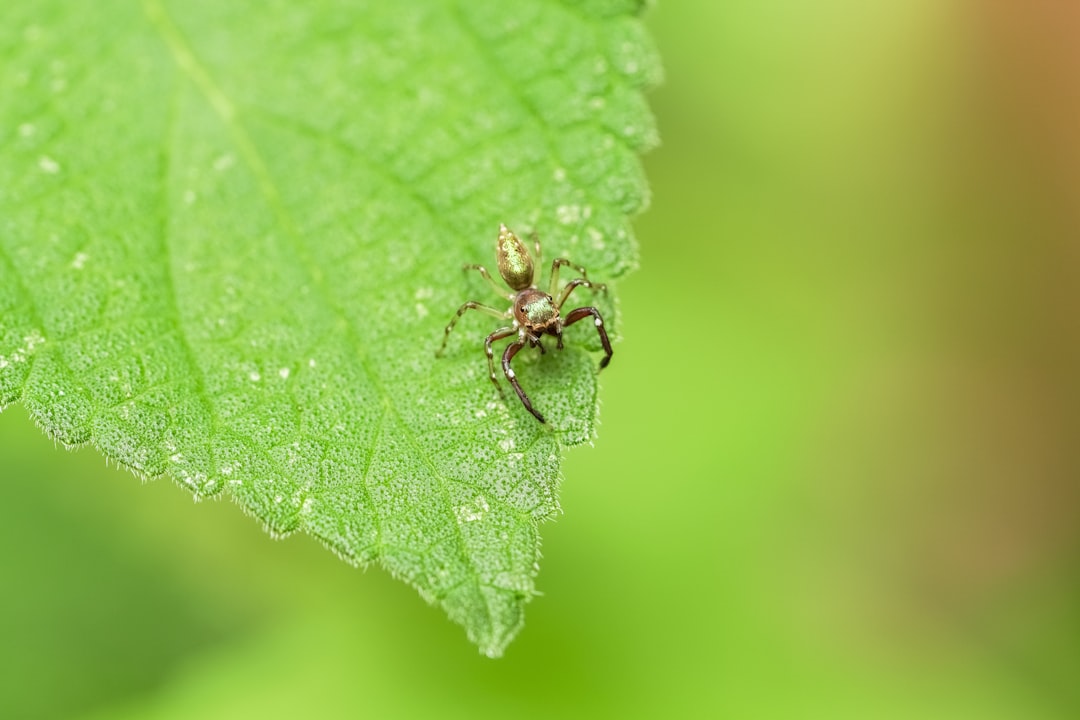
(515, 263)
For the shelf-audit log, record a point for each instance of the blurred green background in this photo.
(837, 472)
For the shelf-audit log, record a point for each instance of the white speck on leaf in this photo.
(224, 162)
(284, 373)
(48, 165)
(80, 260)
(472, 512)
(596, 238)
(25, 350)
(568, 214)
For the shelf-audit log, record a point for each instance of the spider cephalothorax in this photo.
(533, 312)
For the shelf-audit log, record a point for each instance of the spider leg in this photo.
(497, 335)
(578, 282)
(563, 262)
(535, 342)
(487, 276)
(461, 311)
(535, 237)
(508, 355)
(583, 312)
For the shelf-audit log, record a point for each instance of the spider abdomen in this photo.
(515, 264)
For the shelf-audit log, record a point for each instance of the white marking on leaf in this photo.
(224, 162)
(472, 512)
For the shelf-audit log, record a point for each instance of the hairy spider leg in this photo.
(461, 311)
(535, 237)
(508, 355)
(583, 312)
(563, 262)
(575, 283)
(497, 335)
(487, 276)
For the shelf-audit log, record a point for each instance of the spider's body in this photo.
(533, 312)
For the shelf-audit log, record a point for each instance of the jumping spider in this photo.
(533, 312)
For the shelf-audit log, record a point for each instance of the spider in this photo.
(533, 312)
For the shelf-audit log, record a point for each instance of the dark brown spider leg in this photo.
(497, 335)
(461, 311)
(508, 355)
(575, 283)
(556, 330)
(563, 262)
(491, 281)
(583, 312)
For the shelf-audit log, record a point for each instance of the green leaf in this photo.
(231, 235)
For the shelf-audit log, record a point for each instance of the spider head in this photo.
(535, 311)
(515, 264)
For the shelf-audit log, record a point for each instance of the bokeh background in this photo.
(837, 475)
